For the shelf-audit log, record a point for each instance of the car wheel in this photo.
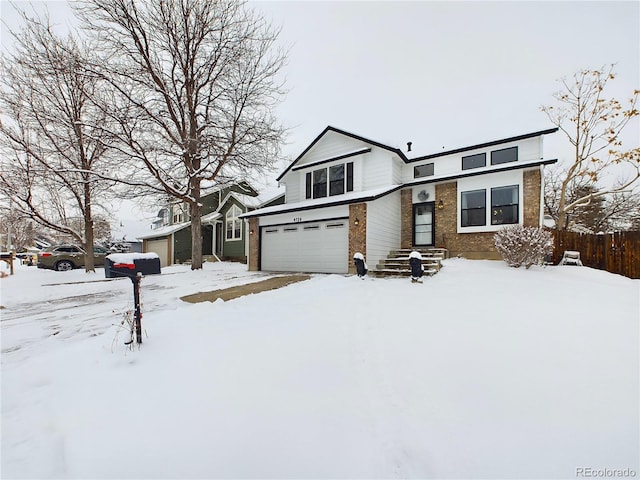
(64, 265)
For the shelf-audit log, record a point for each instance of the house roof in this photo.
(369, 195)
(254, 202)
(399, 152)
(485, 145)
(164, 231)
(395, 150)
(351, 197)
(217, 188)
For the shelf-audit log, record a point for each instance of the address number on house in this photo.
(297, 219)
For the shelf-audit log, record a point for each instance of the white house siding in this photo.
(377, 169)
(528, 149)
(383, 227)
(429, 192)
(292, 185)
(328, 213)
(331, 145)
(397, 171)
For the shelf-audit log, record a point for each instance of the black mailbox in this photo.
(129, 265)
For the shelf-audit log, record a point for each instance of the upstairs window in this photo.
(504, 205)
(320, 183)
(423, 170)
(334, 180)
(473, 211)
(233, 224)
(474, 161)
(504, 155)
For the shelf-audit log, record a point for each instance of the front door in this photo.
(423, 224)
(218, 250)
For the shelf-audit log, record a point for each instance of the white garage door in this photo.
(306, 247)
(161, 247)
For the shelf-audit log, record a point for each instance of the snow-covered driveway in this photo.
(481, 372)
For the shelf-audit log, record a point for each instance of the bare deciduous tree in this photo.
(195, 83)
(616, 210)
(593, 124)
(52, 132)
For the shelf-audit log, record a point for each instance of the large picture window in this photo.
(473, 211)
(233, 224)
(504, 205)
(335, 180)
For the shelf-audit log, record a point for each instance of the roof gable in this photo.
(355, 146)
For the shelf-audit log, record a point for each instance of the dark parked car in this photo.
(68, 257)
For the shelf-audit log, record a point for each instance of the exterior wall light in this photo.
(356, 222)
(440, 205)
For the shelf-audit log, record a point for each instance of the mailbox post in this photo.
(133, 266)
(137, 316)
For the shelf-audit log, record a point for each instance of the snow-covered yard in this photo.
(483, 371)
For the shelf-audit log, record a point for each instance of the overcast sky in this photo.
(439, 74)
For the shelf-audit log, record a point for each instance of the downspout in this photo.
(541, 213)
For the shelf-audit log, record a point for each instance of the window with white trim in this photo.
(504, 205)
(473, 212)
(233, 223)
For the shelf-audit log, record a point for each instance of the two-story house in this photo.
(347, 194)
(223, 231)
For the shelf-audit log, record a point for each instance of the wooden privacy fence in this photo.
(617, 252)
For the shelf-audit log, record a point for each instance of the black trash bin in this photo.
(361, 266)
(130, 264)
(417, 270)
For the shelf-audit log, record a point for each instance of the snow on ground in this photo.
(482, 371)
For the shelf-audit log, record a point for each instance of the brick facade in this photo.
(532, 182)
(479, 245)
(254, 244)
(406, 218)
(357, 233)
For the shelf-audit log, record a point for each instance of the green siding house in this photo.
(224, 233)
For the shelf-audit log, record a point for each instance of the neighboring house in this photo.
(348, 194)
(224, 233)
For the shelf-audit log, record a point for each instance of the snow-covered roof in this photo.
(351, 197)
(249, 201)
(164, 231)
(210, 217)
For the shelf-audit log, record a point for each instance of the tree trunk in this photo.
(88, 231)
(196, 226)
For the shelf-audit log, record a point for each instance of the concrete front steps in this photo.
(397, 263)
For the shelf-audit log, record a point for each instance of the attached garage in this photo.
(319, 246)
(161, 247)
